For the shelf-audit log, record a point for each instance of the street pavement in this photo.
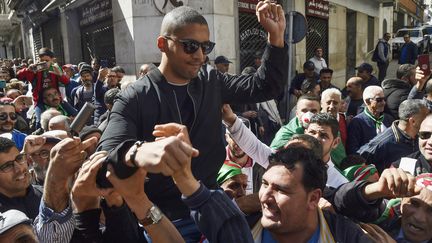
(393, 66)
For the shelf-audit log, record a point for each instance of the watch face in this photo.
(155, 214)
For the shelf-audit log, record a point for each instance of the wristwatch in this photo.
(154, 215)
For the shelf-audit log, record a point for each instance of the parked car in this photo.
(418, 35)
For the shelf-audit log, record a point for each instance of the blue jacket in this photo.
(18, 138)
(410, 56)
(388, 147)
(361, 130)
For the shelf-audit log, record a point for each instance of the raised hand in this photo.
(272, 18)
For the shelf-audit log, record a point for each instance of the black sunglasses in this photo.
(378, 99)
(191, 46)
(425, 135)
(4, 116)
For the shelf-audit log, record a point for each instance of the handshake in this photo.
(170, 155)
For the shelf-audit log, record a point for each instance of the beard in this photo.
(4, 128)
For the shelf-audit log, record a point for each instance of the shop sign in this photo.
(95, 11)
(247, 5)
(317, 8)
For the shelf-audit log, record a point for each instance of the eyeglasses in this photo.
(4, 116)
(10, 165)
(191, 46)
(44, 154)
(378, 99)
(425, 135)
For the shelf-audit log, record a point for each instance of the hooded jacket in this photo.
(395, 91)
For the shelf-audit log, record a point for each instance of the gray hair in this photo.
(330, 92)
(370, 92)
(409, 108)
(59, 120)
(46, 117)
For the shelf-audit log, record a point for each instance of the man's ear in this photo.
(336, 142)
(313, 199)
(162, 44)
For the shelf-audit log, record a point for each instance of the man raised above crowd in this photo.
(179, 92)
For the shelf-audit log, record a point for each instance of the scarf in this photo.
(378, 122)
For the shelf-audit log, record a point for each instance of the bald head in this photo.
(60, 122)
(355, 81)
(179, 18)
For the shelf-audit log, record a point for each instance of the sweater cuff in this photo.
(198, 198)
(116, 159)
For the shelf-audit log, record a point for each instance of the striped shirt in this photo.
(54, 227)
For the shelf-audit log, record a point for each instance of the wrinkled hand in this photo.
(85, 193)
(228, 116)
(85, 183)
(420, 78)
(376, 234)
(56, 70)
(67, 156)
(272, 18)
(103, 72)
(393, 183)
(129, 188)
(33, 143)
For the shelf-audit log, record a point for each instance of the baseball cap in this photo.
(85, 68)
(221, 60)
(12, 218)
(309, 65)
(365, 67)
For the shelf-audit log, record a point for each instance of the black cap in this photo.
(86, 68)
(309, 65)
(365, 67)
(221, 60)
(46, 52)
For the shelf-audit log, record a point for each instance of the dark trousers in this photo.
(382, 70)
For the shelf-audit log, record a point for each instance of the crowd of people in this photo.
(192, 153)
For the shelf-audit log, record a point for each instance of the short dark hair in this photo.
(179, 18)
(118, 69)
(311, 142)
(404, 70)
(309, 97)
(110, 95)
(326, 119)
(409, 108)
(6, 144)
(350, 160)
(326, 70)
(318, 47)
(314, 170)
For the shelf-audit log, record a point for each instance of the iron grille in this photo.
(253, 39)
(37, 40)
(98, 41)
(51, 36)
(317, 36)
